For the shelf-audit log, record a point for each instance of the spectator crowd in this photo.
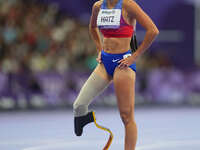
(43, 51)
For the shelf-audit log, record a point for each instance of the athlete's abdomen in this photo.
(116, 45)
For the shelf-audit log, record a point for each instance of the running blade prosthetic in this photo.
(80, 122)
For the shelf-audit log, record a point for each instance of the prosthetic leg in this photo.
(80, 122)
(92, 88)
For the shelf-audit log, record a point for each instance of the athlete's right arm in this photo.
(94, 31)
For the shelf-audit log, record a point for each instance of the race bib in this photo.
(109, 18)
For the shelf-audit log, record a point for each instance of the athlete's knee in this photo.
(126, 116)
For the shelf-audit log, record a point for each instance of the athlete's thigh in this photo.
(101, 71)
(124, 83)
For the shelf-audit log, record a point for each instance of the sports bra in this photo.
(112, 23)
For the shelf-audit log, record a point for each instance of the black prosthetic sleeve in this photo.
(80, 122)
(134, 43)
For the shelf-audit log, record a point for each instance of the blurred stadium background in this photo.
(46, 54)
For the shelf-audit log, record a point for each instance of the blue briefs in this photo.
(110, 61)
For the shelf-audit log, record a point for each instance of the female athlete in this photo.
(115, 20)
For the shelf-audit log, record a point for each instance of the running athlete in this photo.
(115, 20)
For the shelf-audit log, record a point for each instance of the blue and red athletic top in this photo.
(123, 31)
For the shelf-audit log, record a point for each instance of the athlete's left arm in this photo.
(145, 21)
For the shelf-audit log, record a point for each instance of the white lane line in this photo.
(86, 143)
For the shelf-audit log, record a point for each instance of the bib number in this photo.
(109, 18)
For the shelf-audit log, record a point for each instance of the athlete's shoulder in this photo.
(98, 4)
(129, 2)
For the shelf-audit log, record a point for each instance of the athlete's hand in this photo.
(126, 62)
(99, 58)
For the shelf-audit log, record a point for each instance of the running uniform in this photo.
(112, 25)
